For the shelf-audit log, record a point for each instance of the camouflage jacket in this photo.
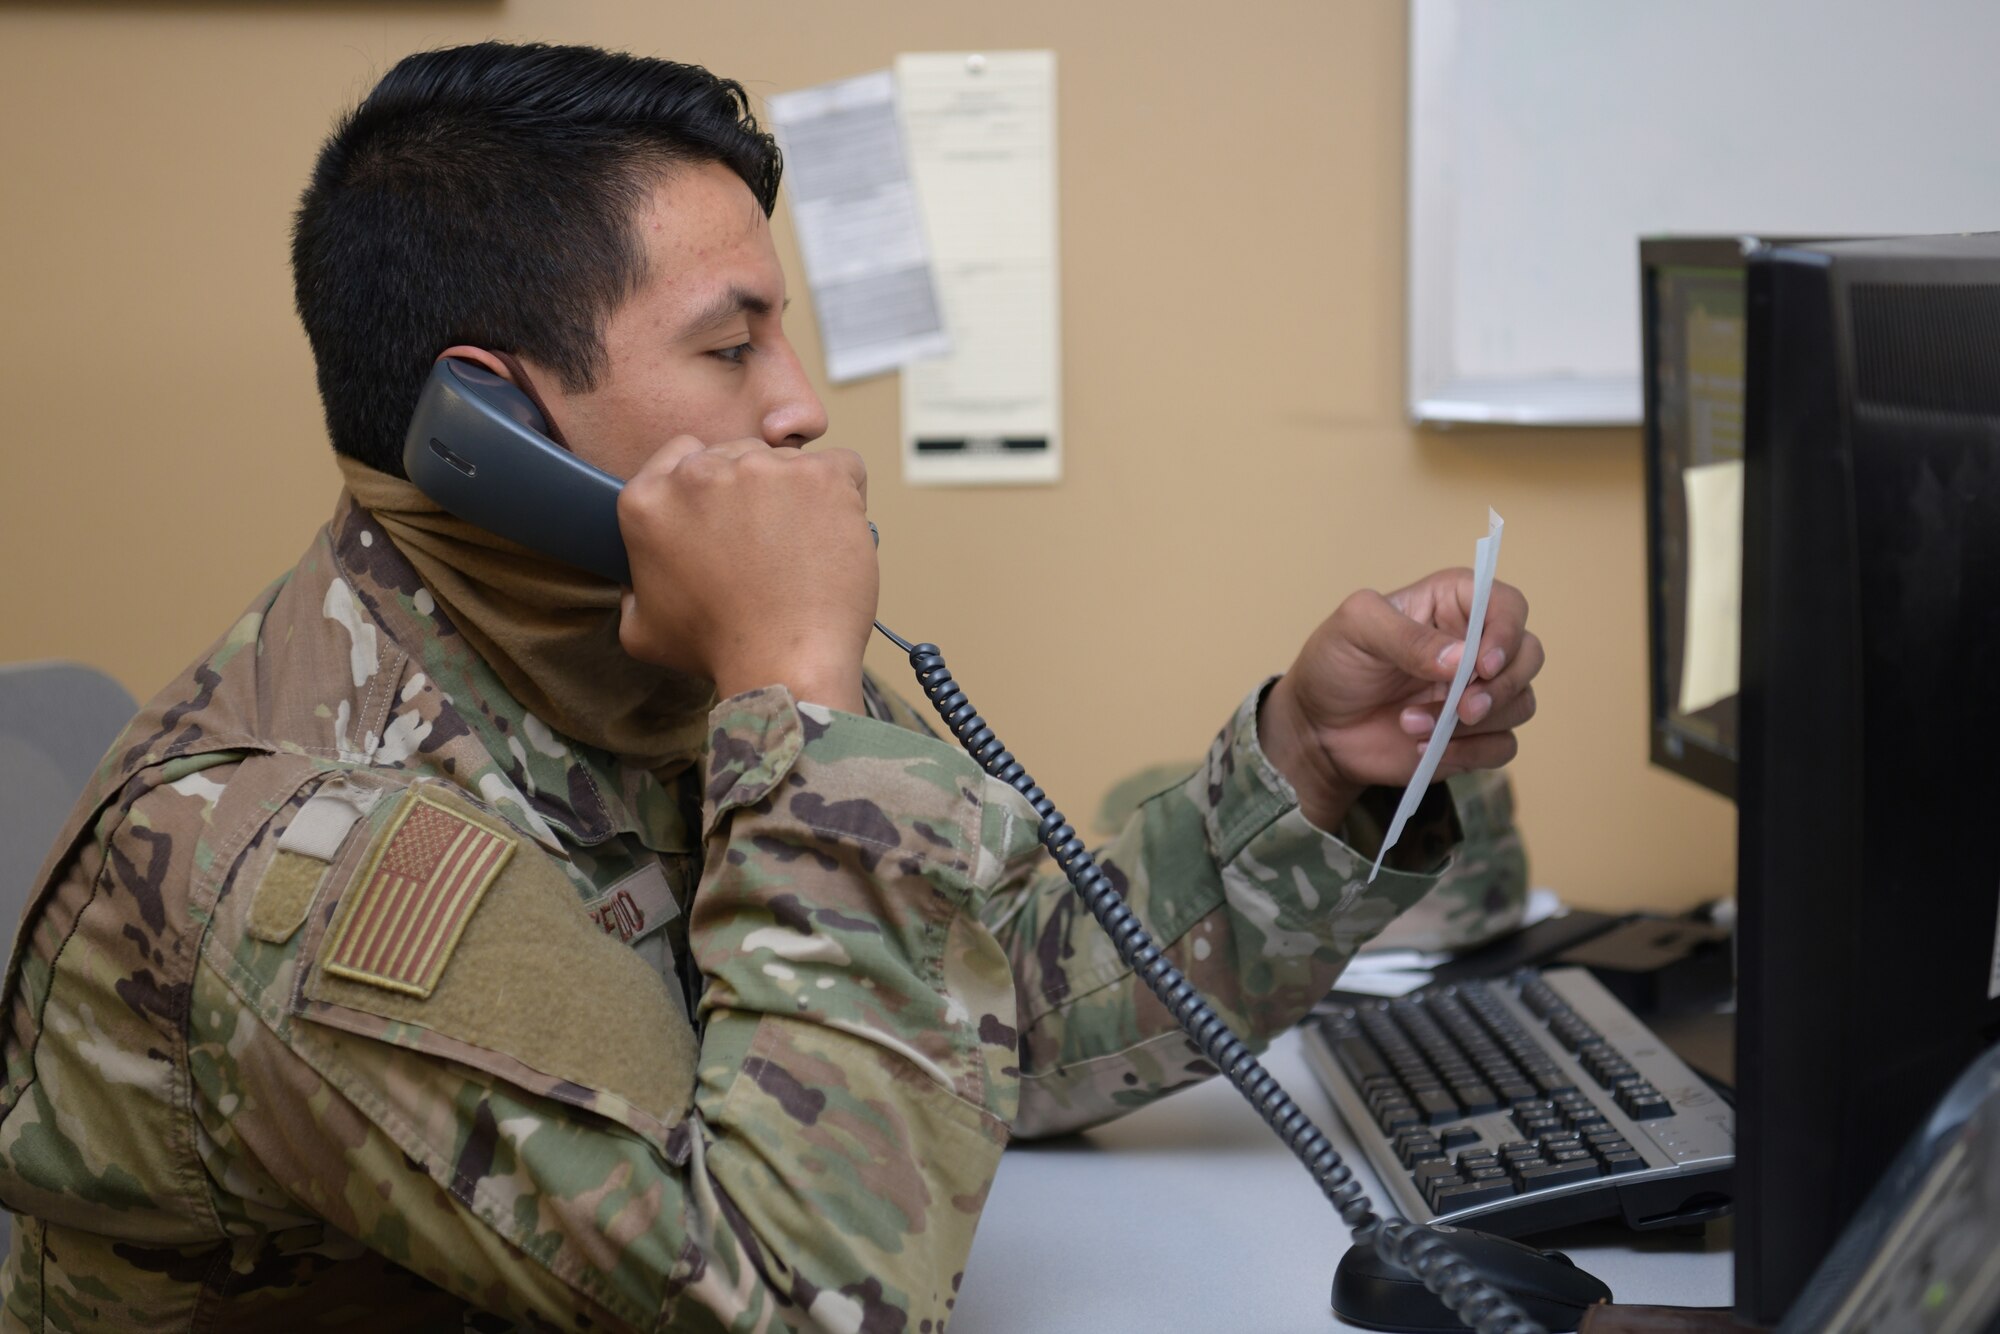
(354, 997)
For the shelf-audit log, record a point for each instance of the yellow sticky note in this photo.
(1711, 658)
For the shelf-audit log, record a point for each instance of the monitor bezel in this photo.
(1843, 1031)
(1698, 764)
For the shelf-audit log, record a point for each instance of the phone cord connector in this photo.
(1425, 1253)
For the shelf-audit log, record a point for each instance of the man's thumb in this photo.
(1420, 650)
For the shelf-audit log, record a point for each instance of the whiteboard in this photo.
(1548, 136)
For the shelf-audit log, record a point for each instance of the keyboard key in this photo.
(1628, 1161)
(1445, 1199)
(1644, 1106)
(1551, 1080)
(1415, 1145)
(1477, 1099)
(1437, 1106)
(1358, 1057)
(1396, 1118)
(1425, 1173)
(1557, 1174)
(1425, 1185)
(1458, 1137)
(1572, 1032)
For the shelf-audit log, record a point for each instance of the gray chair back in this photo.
(56, 721)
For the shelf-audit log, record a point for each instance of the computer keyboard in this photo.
(1525, 1103)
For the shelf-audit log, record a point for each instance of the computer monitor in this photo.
(1691, 297)
(1868, 860)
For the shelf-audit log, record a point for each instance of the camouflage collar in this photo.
(585, 795)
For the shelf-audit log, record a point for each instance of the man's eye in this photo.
(733, 355)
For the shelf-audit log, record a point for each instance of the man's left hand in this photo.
(1357, 706)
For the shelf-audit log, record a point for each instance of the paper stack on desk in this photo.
(1397, 972)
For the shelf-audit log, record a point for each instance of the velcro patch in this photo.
(284, 896)
(414, 897)
(636, 906)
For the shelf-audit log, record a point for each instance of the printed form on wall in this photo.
(981, 131)
(860, 232)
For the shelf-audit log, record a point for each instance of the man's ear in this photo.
(509, 369)
(481, 357)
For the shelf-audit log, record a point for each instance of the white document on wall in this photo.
(860, 232)
(981, 130)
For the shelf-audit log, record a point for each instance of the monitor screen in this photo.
(1694, 464)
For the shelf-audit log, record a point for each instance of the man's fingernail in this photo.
(1452, 653)
(1416, 722)
(1492, 662)
(1477, 705)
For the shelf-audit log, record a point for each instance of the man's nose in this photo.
(795, 417)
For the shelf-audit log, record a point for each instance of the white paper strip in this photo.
(860, 232)
(1486, 557)
(1387, 984)
(983, 153)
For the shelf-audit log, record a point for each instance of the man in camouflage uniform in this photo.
(425, 959)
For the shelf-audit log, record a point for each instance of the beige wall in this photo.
(1232, 229)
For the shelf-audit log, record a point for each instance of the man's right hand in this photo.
(751, 566)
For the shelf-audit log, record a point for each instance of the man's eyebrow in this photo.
(727, 305)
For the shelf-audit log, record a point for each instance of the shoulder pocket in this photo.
(451, 933)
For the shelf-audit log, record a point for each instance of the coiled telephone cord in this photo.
(1477, 1304)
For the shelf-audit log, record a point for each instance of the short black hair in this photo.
(488, 195)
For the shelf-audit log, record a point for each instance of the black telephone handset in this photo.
(478, 447)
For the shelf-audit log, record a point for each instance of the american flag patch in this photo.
(415, 898)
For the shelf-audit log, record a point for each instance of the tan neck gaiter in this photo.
(549, 632)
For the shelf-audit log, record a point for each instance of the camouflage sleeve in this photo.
(857, 1068)
(1484, 892)
(1259, 908)
(821, 1160)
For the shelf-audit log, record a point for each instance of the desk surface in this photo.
(1190, 1216)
